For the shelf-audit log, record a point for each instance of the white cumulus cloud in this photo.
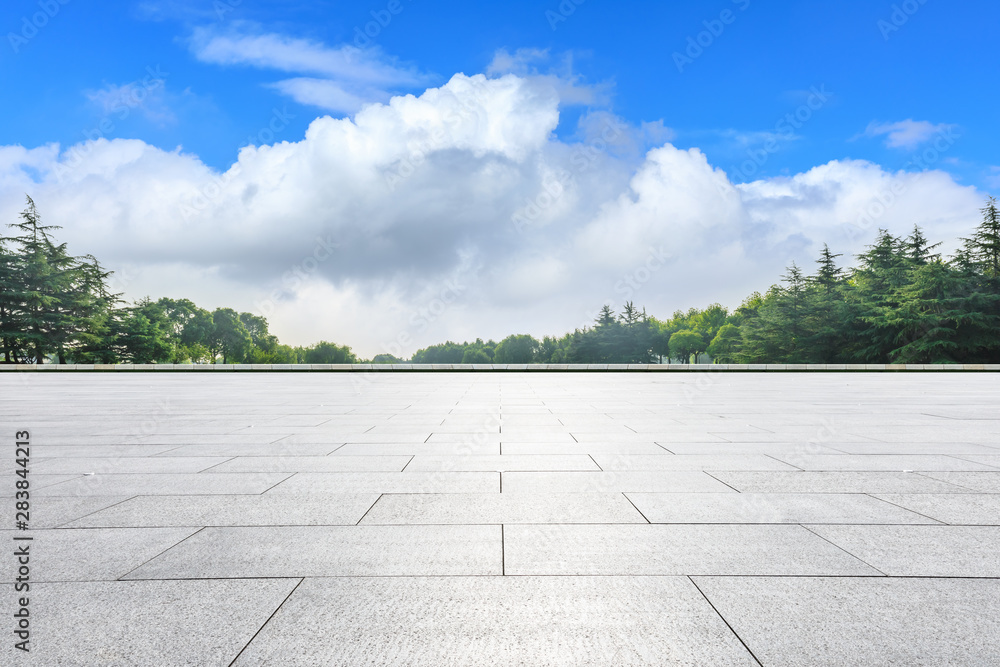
(459, 213)
(907, 134)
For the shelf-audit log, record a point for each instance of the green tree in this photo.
(685, 344)
(936, 321)
(54, 300)
(984, 244)
(475, 355)
(11, 314)
(516, 349)
(230, 338)
(143, 334)
(325, 352)
(826, 314)
(725, 347)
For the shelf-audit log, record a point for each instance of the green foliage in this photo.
(453, 353)
(686, 344)
(725, 347)
(328, 353)
(475, 355)
(51, 303)
(901, 303)
(517, 349)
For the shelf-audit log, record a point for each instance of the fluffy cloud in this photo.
(342, 78)
(907, 134)
(458, 213)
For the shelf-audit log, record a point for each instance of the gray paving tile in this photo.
(386, 437)
(234, 510)
(665, 481)
(123, 465)
(855, 421)
(988, 459)
(690, 462)
(770, 508)
(775, 449)
(98, 554)
(271, 449)
(836, 482)
(987, 482)
(883, 462)
(529, 438)
(506, 508)
(957, 509)
(921, 551)
(390, 482)
(595, 621)
(420, 449)
(673, 550)
(101, 451)
(502, 463)
(565, 448)
(789, 621)
(105, 484)
(330, 551)
(38, 481)
(942, 447)
(140, 623)
(314, 464)
(56, 511)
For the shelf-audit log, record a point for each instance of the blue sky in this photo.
(939, 67)
(480, 169)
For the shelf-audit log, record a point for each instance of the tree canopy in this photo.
(901, 302)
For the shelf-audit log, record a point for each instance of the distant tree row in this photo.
(902, 303)
(53, 304)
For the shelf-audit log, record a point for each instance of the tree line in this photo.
(54, 305)
(901, 303)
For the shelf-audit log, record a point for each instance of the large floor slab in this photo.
(597, 621)
(830, 622)
(835, 508)
(330, 551)
(515, 518)
(674, 549)
(142, 623)
(502, 508)
(237, 510)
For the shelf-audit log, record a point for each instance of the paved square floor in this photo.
(506, 518)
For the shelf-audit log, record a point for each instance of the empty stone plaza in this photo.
(506, 518)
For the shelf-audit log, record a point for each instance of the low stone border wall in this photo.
(365, 368)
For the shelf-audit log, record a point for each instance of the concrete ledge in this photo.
(412, 368)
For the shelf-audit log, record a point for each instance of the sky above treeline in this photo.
(394, 173)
